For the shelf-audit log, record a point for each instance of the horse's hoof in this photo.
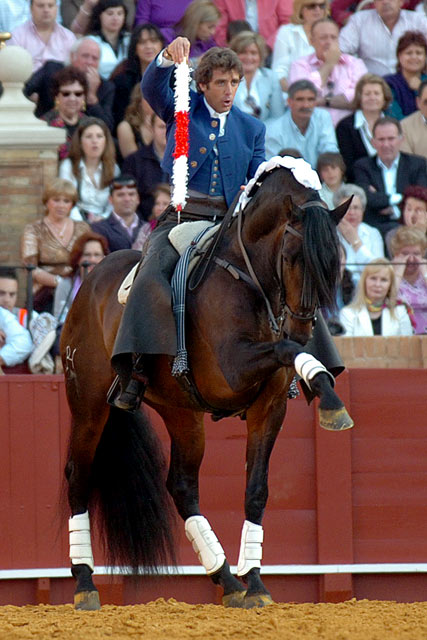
(234, 600)
(335, 419)
(87, 600)
(258, 600)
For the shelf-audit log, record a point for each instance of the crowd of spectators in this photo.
(348, 94)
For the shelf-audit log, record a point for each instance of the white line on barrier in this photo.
(196, 570)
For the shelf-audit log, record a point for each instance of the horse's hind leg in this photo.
(188, 444)
(86, 431)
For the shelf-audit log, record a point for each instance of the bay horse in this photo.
(239, 365)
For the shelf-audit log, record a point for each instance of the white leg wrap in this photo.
(80, 545)
(205, 543)
(250, 554)
(307, 367)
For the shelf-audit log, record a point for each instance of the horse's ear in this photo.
(339, 212)
(294, 211)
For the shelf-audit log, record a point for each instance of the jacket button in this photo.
(193, 164)
(214, 123)
(212, 136)
(202, 149)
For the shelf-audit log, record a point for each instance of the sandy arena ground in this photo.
(172, 620)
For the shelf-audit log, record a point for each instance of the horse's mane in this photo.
(320, 253)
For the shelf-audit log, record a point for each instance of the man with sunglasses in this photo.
(122, 225)
(334, 74)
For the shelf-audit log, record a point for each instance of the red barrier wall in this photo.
(335, 498)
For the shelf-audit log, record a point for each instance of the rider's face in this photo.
(220, 91)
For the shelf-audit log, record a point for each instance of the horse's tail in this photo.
(134, 513)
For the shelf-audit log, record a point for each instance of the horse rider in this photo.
(226, 147)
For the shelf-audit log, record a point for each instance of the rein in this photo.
(275, 324)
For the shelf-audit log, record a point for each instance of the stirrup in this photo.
(130, 398)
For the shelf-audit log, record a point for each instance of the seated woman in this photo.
(107, 26)
(362, 243)
(88, 250)
(410, 266)
(374, 310)
(135, 130)
(294, 40)
(198, 24)
(162, 198)
(91, 167)
(47, 243)
(69, 86)
(411, 65)
(146, 42)
(331, 170)
(354, 132)
(259, 92)
(414, 212)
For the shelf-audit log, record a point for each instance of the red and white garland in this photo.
(180, 165)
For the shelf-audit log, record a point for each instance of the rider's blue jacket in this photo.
(239, 151)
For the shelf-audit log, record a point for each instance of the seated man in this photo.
(385, 176)
(373, 34)
(9, 295)
(15, 341)
(226, 148)
(303, 126)
(414, 127)
(334, 74)
(85, 55)
(122, 226)
(42, 36)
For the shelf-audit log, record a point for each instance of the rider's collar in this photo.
(222, 117)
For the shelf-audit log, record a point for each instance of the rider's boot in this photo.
(128, 388)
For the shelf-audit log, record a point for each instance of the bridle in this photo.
(276, 324)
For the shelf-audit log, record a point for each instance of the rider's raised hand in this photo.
(178, 50)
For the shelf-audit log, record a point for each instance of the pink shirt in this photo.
(344, 77)
(57, 48)
(416, 296)
(271, 15)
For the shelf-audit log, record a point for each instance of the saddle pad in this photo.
(182, 234)
(125, 287)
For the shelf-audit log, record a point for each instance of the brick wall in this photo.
(23, 176)
(383, 353)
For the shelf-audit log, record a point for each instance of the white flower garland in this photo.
(180, 165)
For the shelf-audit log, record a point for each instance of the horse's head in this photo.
(308, 263)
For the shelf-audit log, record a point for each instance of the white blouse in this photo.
(92, 199)
(109, 59)
(291, 43)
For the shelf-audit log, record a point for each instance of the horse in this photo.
(240, 364)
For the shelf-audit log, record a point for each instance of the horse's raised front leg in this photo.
(188, 444)
(333, 415)
(264, 420)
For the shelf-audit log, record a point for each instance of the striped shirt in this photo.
(366, 36)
